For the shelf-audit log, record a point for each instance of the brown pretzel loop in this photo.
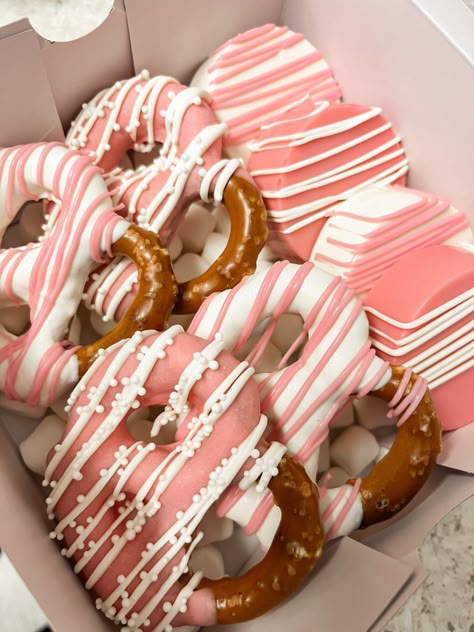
(295, 549)
(247, 237)
(157, 291)
(399, 476)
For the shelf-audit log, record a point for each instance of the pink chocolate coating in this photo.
(311, 159)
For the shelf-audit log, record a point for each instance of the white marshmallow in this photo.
(31, 222)
(188, 266)
(287, 329)
(371, 412)
(99, 325)
(196, 227)
(35, 448)
(354, 449)
(16, 320)
(175, 247)
(20, 408)
(323, 456)
(214, 247)
(343, 418)
(215, 529)
(222, 220)
(337, 477)
(209, 560)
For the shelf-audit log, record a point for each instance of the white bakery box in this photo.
(414, 58)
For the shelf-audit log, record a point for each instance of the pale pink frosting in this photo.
(314, 157)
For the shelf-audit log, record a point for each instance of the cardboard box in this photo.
(412, 58)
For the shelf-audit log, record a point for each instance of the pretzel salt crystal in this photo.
(49, 276)
(336, 362)
(127, 511)
(138, 113)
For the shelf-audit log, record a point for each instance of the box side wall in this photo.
(390, 54)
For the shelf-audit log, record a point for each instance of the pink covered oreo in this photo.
(421, 315)
(314, 157)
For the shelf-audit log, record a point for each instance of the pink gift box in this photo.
(428, 97)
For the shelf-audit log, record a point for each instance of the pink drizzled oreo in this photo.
(421, 315)
(314, 157)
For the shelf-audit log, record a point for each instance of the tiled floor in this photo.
(445, 602)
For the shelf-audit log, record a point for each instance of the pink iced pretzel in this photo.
(50, 276)
(128, 512)
(336, 361)
(139, 113)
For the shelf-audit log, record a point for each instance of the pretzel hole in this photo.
(32, 222)
(274, 344)
(15, 320)
(142, 156)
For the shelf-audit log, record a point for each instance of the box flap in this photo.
(164, 23)
(28, 109)
(429, 104)
(78, 69)
(348, 574)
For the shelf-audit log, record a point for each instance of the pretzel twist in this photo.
(139, 113)
(335, 362)
(49, 276)
(128, 511)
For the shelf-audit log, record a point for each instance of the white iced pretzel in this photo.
(49, 276)
(337, 361)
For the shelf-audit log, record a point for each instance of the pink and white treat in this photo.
(421, 315)
(312, 158)
(254, 77)
(335, 360)
(128, 512)
(371, 230)
(49, 276)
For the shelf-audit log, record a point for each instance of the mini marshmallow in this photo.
(215, 529)
(263, 264)
(214, 246)
(323, 457)
(371, 413)
(16, 320)
(354, 449)
(343, 418)
(31, 222)
(175, 247)
(222, 220)
(35, 448)
(336, 477)
(196, 227)
(188, 266)
(209, 560)
(20, 408)
(287, 329)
